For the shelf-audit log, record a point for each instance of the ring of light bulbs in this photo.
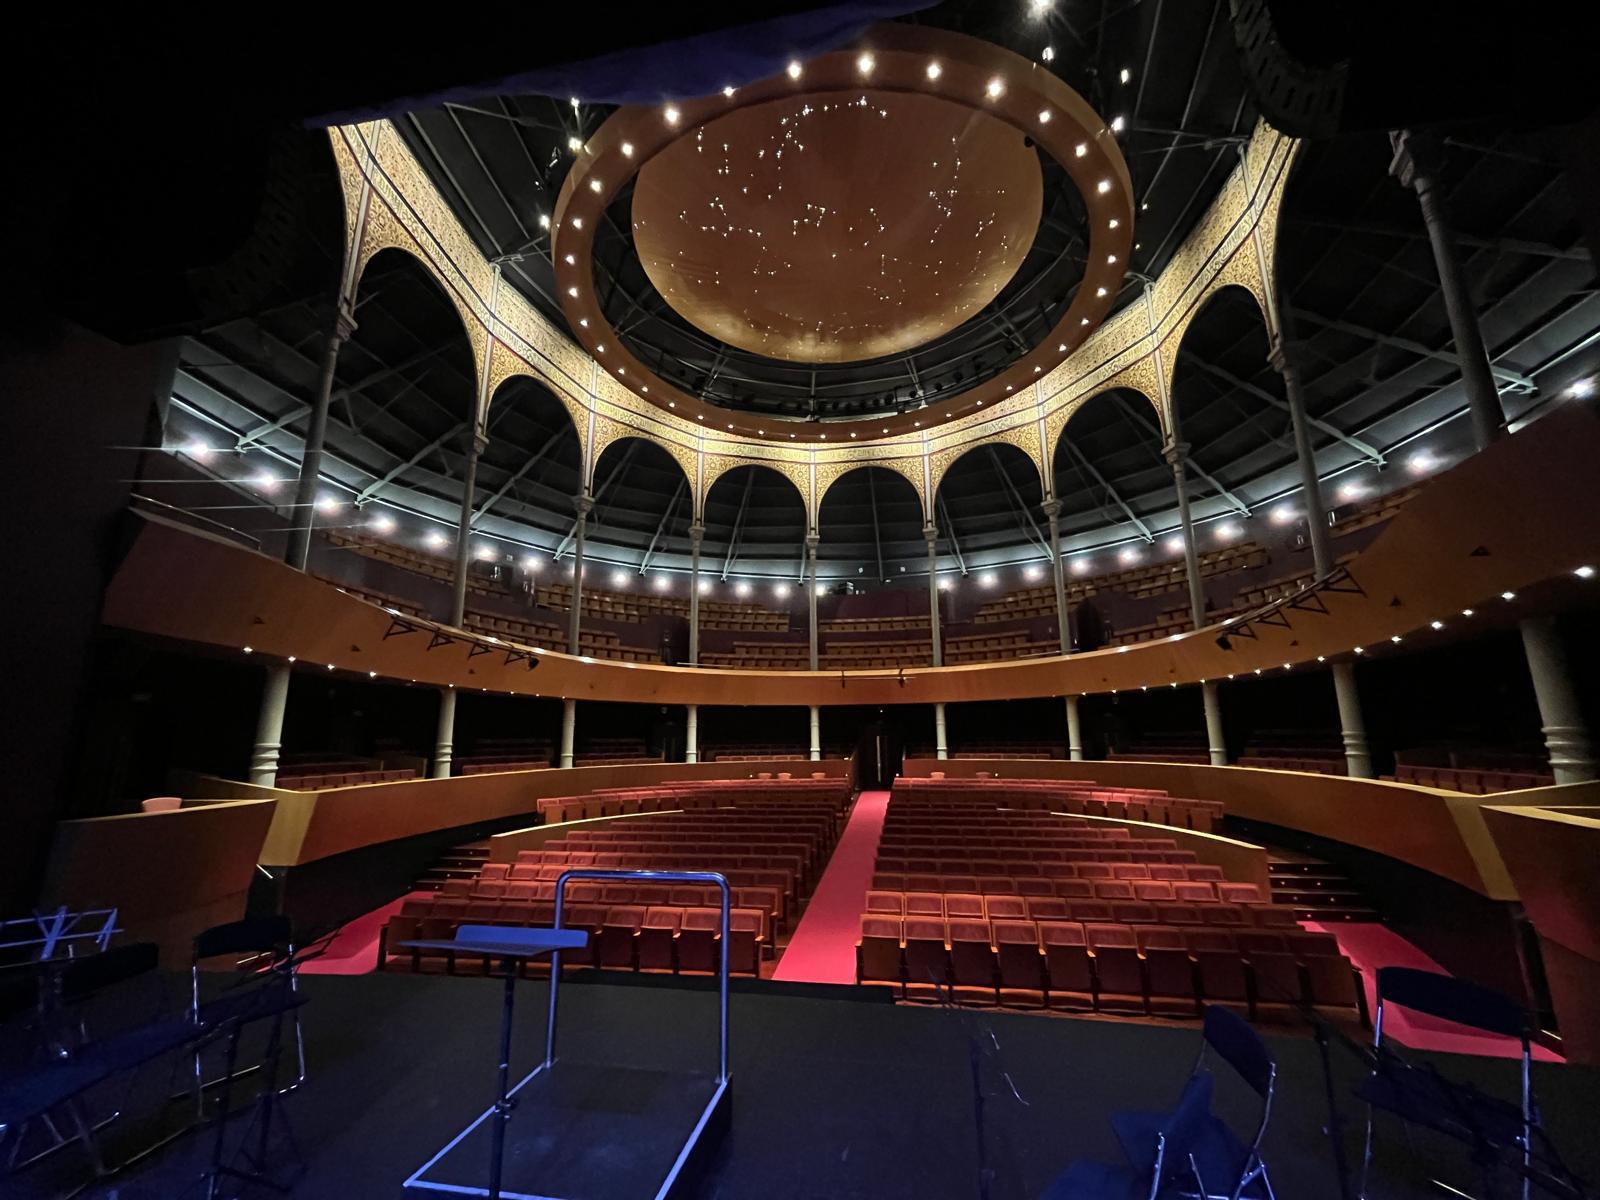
(893, 58)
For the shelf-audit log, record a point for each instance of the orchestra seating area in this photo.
(997, 894)
(771, 839)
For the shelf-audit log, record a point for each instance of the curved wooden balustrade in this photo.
(1517, 515)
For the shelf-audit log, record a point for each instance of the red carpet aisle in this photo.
(354, 949)
(823, 949)
(1371, 946)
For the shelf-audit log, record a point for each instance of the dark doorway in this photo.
(879, 752)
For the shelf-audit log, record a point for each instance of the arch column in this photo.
(458, 599)
(445, 738)
(1074, 730)
(1174, 453)
(1216, 743)
(1283, 361)
(1415, 165)
(269, 726)
(930, 534)
(584, 503)
(1566, 737)
(305, 492)
(816, 733)
(691, 734)
(811, 594)
(1052, 514)
(569, 729)
(697, 535)
(1357, 754)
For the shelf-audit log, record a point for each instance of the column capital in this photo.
(1416, 158)
(812, 542)
(583, 502)
(1281, 355)
(1051, 507)
(930, 534)
(1175, 453)
(480, 442)
(697, 533)
(344, 322)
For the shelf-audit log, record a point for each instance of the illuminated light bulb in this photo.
(619, 578)
(436, 539)
(327, 504)
(530, 563)
(571, 260)
(1116, 124)
(1584, 572)
(291, 658)
(1321, 658)
(1044, 116)
(1283, 514)
(583, 321)
(644, 387)
(995, 88)
(1125, 75)
(742, 590)
(987, 579)
(1113, 223)
(249, 649)
(577, 222)
(198, 450)
(1098, 292)
(1081, 149)
(1360, 649)
(794, 68)
(865, 63)
(383, 523)
(1421, 462)
(780, 590)
(1111, 260)
(573, 292)
(728, 91)
(1103, 186)
(600, 347)
(935, 70)
(622, 370)
(1582, 389)
(1395, 639)
(595, 185)
(1508, 595)
(1435, 625)
(544, 220)
(670, 115)
(265, 481)
(661, 583)
(1084, 321)
(627, 149)
(1048, 54)
(1466, 612)
(574, 144)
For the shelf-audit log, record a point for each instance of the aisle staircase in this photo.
(1316, 890)
(459, 862)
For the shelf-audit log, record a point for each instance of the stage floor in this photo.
(832, 1097)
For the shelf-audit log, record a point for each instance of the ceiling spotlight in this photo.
(1128, 555)
(995, 88)
(1466, 612)
(1283, 514)
(198, 450)
(383, 523)
(1038, 8)
(572, 260)
(574, 144)
(1044, 116)
(1421, 463)
(1061, 347)
(1081, 149)
(1320, 658)
(530, 563)
(600, 347)
(865, 63)
(935, 70)
(436, 539)
(1352, 491)
(728, 91)
(619, 578)
(627, 149)
(266, 481)
(1113, 223)
(705, 586)
(1582, 389)
(1080, 566)
(573, 292)
(544, 220)
(1125, 75)
(584, 321)
(1048, 54)
(595, 185)
(661, 583)
(249, 649)
(1436, 625)
(577, 222)
(742, 589)
(327, 504)
(1395, 639)
(1103, 186)
(1117, 124)
(1508, 595)
(987, 579)
(1099, 292)
(794, 69)
(484, 553)
(670, 115)
(1584, 572)
(1032, 571)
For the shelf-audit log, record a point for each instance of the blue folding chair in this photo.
(1416, 1093)
(1166, 1166)
(1223, 1163)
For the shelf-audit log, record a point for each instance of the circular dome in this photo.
(839, 226)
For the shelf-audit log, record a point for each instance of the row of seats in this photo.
(1072, 797)
(1475, 781)
(1316, 764)
(615, 802)
(633, 607)
(1148, 969)
(315, 781)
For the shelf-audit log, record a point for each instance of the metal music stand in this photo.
(513, 946)
(569, 1102)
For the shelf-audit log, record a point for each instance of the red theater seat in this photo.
(657, 935)
(1019, 962)
(1067, 966)
(1119, 978)
(927, 957)
(972, 962)
(1170, 972)
(879, 951)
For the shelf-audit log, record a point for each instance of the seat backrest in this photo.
(1451, 999)
(1061, 933)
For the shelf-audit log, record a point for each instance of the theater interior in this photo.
(1000, 596)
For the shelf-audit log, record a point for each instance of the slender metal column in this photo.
(1283, 362)
(1174, 453)
(691, 734)
(1052, 513)
(269, 726)
(445, 739)
(816, 733)
(1357, 754)
(697, 534)
(941, 744)
(811, 593)
(305, 492)
(1566, 737)
(458, 599)
(569, 727)
(1211, 695)
(1074, 730)
(584, 504)
(930, 533)
(1416, 162)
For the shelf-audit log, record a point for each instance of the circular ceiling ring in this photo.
(891, 58)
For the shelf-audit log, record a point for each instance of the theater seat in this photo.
(1274, 972)
(1067, 968)
(699, 940)
(1219, 968)
(1239, 893)
(616, 949)
(972, 962)
(879, 951)
(1119, 978)
(747, 942)
(1169, 971)
(1334, 985)
(1019, 962)
(927, 957)
(657, 935)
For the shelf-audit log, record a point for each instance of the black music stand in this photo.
(513, 946)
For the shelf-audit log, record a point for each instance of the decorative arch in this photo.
(829, 473)
(1140, 379)
(1023, 437)
(1220, 289)
(751, 472)
(714, 467)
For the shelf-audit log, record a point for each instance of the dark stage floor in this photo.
(831, 1097)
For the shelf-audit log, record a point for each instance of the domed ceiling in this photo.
(838, 227)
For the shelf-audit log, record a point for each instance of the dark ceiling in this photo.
(1355, 267)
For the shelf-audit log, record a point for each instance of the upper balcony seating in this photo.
(991, 647)
(311, 772)
(989, 904)
(897, 624)
(1475, 769)
(1164, 747)
(1316, 751)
